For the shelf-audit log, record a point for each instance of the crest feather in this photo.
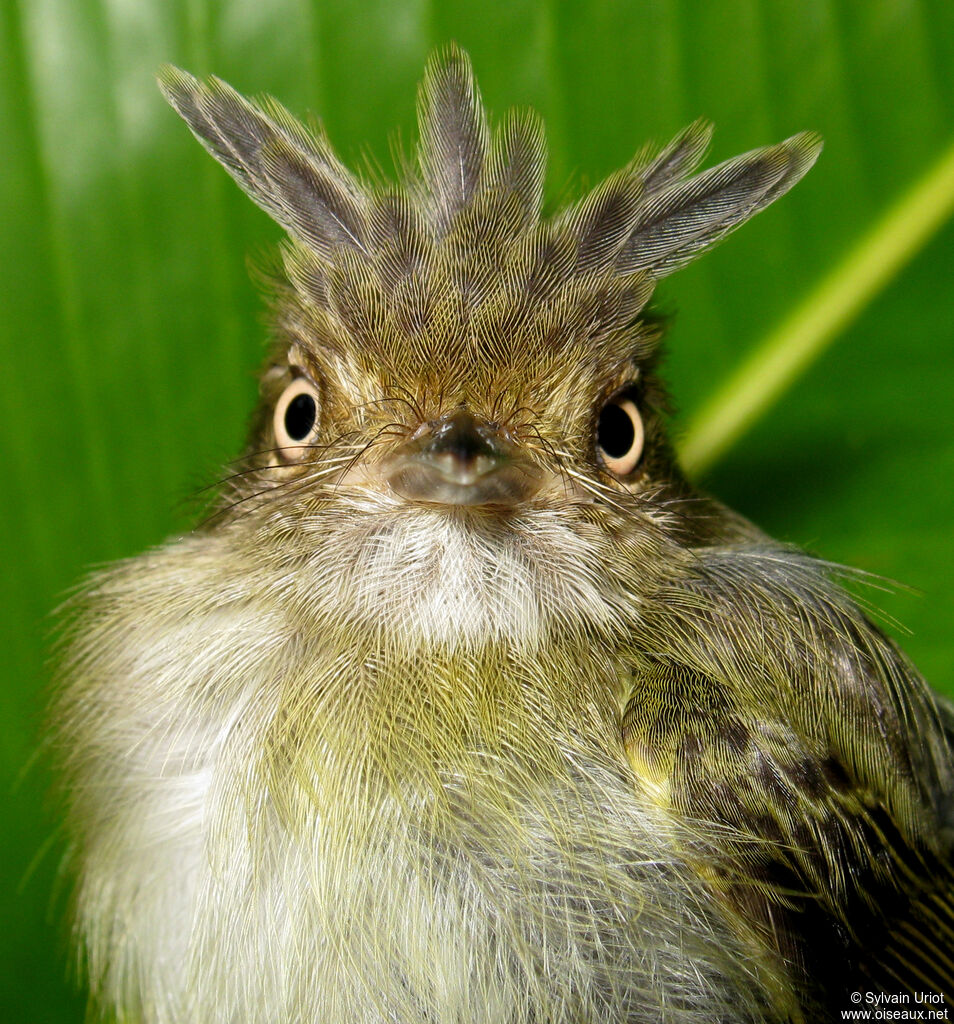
(288, 170)
(686, 218)
(460, 246)
(517, 165)
(307, 273)
(678, 159)
(317, 209)
(604, 219)
(397, 236)
(453, 135)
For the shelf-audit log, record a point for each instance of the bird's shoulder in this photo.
(841, 876)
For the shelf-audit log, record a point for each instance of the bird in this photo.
(463, 704)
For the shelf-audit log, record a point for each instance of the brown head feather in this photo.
(457, 266)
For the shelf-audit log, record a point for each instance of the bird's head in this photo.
(449, 357)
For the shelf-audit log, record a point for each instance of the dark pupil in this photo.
(300, 417)
(615, 433)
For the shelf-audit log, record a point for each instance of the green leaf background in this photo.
(129, 331)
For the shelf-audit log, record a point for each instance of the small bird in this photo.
(464, 706)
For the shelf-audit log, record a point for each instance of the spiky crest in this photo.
(459, 253)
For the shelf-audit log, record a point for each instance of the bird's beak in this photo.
(462, 460)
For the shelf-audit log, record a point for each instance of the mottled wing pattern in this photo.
(808, 754)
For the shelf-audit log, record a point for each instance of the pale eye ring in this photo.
(620, 435)
(296, 418)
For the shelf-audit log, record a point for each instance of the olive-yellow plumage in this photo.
(464, 706)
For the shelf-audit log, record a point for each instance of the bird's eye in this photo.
(296, 418)
(619, 435)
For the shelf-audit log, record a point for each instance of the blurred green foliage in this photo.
(130, 333)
